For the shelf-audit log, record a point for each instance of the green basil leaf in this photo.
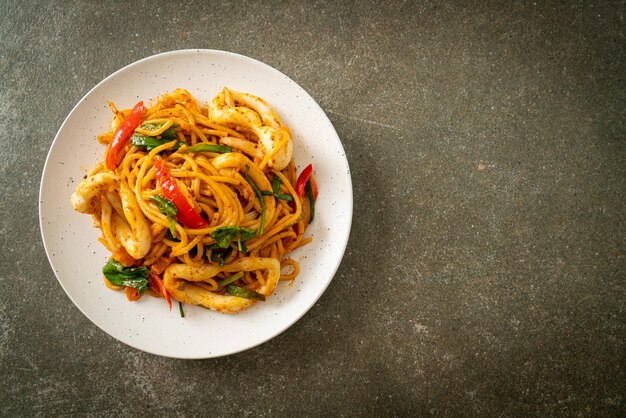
(224, 235)
(230, 279)
(150, 142)
(280, 196)
(149, 126)
(167, 134)
(220, 255)
(166, 206)
(171, 237)
(208, 148)
(119, 275)
(286, 197)
(172, 230)
(275, 184)
(244, 293)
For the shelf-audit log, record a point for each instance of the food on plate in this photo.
(200, 204)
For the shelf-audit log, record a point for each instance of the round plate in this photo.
(70, 238)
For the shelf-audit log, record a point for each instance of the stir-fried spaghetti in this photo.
(199, 203)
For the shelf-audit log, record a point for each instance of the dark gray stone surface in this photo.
(485, 272)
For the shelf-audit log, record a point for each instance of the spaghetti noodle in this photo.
(201, 204)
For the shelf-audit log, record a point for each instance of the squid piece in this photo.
(133, 232)
(82, 199)
(178, 280)
(129, 227)
(243, 109)
(277, 144)
(260, 106)
(248, 147)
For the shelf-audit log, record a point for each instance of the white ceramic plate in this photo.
(77, 258)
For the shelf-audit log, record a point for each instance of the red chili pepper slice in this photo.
(313, 188)
(186, 215)
(122, 134)
(157, 285)
(303, 178)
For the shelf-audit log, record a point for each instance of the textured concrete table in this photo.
(485, 270)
